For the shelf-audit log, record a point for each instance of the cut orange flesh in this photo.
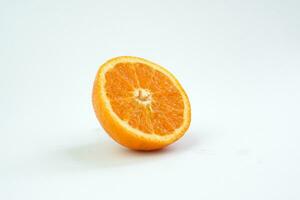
(140, 104)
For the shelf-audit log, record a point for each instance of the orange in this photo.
(140, 104)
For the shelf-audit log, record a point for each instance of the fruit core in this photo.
(142, 96)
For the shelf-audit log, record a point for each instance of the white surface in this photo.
(238, 60)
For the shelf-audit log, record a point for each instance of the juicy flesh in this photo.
(145, 98)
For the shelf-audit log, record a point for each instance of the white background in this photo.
(239, 62)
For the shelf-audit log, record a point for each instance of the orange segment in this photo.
(140, 104)
(144, 75)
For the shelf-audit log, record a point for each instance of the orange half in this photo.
(140, 104)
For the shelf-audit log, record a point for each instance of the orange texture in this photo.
(140, 104)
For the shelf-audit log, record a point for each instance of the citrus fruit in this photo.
(140, 104)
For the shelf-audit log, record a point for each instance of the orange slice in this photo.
(140, 104)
